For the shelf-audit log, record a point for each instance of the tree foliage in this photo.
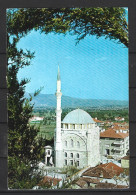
(24, 149)
(108, 22)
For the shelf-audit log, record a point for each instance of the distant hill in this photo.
(49, 100)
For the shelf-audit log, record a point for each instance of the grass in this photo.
(47, 131)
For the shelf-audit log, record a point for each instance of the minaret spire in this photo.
(58, 141)
(58, 76)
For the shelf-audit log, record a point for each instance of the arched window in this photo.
(77, 155)
(66, 154)
(78, 144)
(77, 163)
(66, 126)
(71, 155)
(71, 162)
(71, 126)
(66, 143)
(72, 143)
(66, 162)
(48, 152)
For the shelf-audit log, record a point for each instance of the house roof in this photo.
(110, 133)
(48, 147)
(117, 127)
(111, 166)
(119, 117)
(108, 170)
(97, 121)
(82, 181)
(99, 185)
(125, 158)
(109, 186)
(49, 181)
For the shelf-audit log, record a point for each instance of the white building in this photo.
(114, 143)
(36, 119)
(76, 139)
(48, 156)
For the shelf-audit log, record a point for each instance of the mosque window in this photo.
(77, 155)
(66, 143)
(72, 143)
(77, 163)
(71, 155)
(80, 126)
(49, 152)
(66, 126)
(65, 162)
(66, 154)
(71, 126)
(71, 162)
(78, 144)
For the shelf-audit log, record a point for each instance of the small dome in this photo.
(78, 116)
(48, 146)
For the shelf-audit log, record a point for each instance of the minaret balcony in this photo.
(58, 93)
(59, 111)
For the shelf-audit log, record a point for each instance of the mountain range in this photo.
(49, 100)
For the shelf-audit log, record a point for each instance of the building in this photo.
(50, 182)
(122, 128)
(36, 119)
(76, 138)
(48, 156)
(114, 143)
(99, 123)
(119, 119)
(102, 176)
(107, 171)
(125, 162)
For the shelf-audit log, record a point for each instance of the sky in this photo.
(92, 69)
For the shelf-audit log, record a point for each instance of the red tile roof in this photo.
(116, 127)
(126, 158)
(83, 181)
(110, 133)
(49, 181)
(111, 166)
(108, 170)
(109, 186)
(97, 121)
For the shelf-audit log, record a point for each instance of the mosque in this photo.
(76, 138)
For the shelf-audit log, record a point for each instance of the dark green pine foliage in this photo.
(24, 148)
(109, 22)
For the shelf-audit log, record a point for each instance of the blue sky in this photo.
(92, 69)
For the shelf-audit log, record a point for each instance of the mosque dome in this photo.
(78, 116)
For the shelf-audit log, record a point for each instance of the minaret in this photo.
(58, 141)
